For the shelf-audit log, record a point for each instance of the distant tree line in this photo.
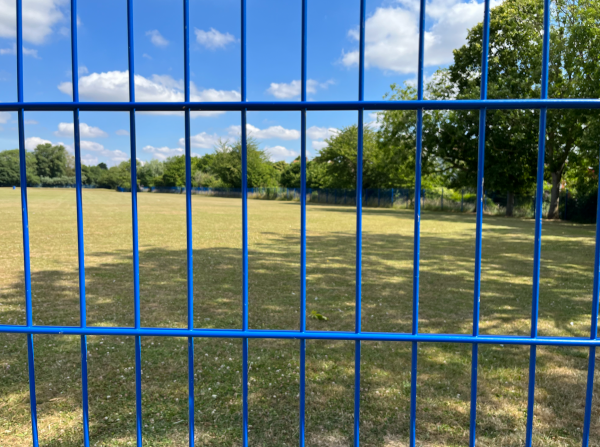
(450, 138)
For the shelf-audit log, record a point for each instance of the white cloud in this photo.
(162, 153)
(92, 146)
(89, 160)
(147, 56)
(114, 86)
(392, 34)
(4, 117)
(39, 18)
(279, 132)
(277, 153)
(157, 39)
(320, 133)
(33, 122)
(32, 142)
(213, 39)
(13, 50)
(85, 131)
(318, 145)
(82, 70)
(122, 132)
(292, 89)
(202, 140)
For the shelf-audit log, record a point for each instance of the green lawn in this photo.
(446, 300)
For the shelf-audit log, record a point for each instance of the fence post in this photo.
(442, 199)
(462, 194)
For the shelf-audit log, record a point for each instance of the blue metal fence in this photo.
(302, 334)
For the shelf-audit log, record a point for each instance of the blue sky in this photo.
(273, 71)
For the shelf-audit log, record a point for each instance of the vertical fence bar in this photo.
(417, 232)
(134, 227)
(80, 244)
(359, 188)
(303, 77)
(188, 219)
(593, 332)
(25, 223)
(244, 229)
(479, 222)
(537, 250)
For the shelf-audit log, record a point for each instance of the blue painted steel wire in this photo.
(134, 228)
(593, 334)
(479, 222)
(303, 106)
(188, 219)
(80, 244)
(297, 335)
(256, 106)
(417, 231)
(303, 78)
(359, 197)
(244, 229)
(537, 249)
(25, 222)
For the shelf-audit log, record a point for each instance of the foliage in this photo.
(51, 160)
(10, 165)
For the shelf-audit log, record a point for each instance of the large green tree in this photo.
(227, 165)
(340, 159)
(515, 66)
(9, 168)
(51, 160)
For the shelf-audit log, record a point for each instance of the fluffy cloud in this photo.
(39, 18)
(202, 140)
(114, 86)
(292, 89)
(318, 145)
(392, 34)
(277, 153)
(213, 39)
(279, 132)
(32, 142)
(86, 145)
(85, 131)
(89, 160)
(320, 133)
(4, 117)
(13, 50)
(157, 39)
(162, 153)
(122, 132)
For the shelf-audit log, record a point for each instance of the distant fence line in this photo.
(438, 199)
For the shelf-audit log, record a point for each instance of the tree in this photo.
(516, 32)
(339, 158)
(150, 172)
(174, 171)
(227, 165)
(316, 175)
(10, 165)
(51, 160)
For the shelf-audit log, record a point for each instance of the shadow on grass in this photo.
(273, 304)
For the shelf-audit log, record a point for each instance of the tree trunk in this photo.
(510, 203)
(554, 195)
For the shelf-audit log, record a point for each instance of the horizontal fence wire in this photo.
(357, 198)
(287, 106)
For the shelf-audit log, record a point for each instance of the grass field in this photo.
(446, 286)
